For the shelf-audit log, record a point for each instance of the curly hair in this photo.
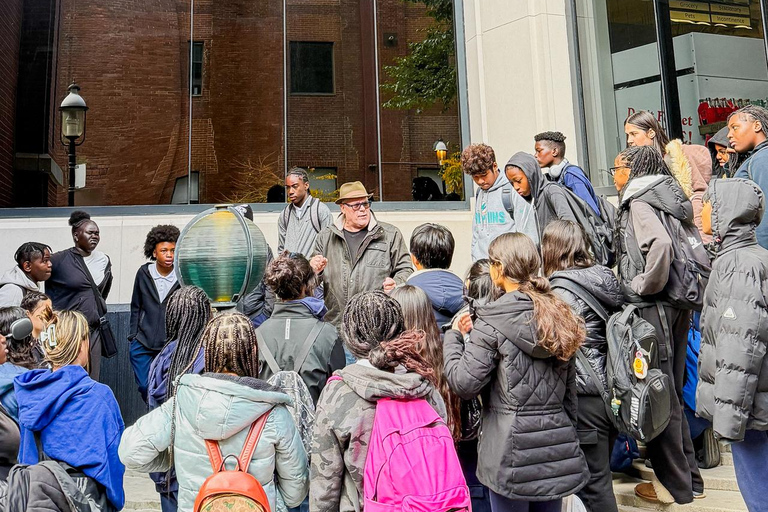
(290, 276)
(477, 159)
(158, 235)
(553, 139)
(79, 218)
(558, 329)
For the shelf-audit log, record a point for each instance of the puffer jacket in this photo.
(643, 246)
(547, 197)
(691, 165)
(733, 368)
(382, 254)
(343, 427)
(602, 284)
(222, 408)
(528, 448)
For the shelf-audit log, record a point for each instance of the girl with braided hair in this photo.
(518, 352)
(648, 191)
(186, 317)
(748, 135)
(389, 365)
(221, 405)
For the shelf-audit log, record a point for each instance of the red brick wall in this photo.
(10, 34)
(131, 59)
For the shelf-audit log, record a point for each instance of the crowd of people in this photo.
(363, 373)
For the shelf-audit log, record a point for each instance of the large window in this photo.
(719, 57)
(311, 68)
(362, 90)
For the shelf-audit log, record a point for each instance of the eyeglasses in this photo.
(612, 170)
(358, 206)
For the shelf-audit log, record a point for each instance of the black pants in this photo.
(672, 453)
(94, 363)
(596, 438)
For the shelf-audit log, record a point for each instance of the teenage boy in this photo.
(550, 152)
(155, 282)
(499, 208)
(432, 248)
(748, 134)
(303, 218)
(33, 265)
(733, 369)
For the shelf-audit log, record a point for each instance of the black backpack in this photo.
(637, 407)
(599, 228)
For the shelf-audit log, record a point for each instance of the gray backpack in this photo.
(302, 408)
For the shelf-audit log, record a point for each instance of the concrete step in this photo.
(140, 494)
(716, 500)
(721, 478)
(726, 459)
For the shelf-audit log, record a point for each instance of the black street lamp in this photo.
(72, 110)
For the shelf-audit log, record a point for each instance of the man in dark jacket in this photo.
(748, 134)
(358, 253)
(548, 198)
(155, 283)
(432, 248)
(733, 368)
(645, 253)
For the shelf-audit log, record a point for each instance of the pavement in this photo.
(140, 494)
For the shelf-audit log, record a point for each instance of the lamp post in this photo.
(441, 150)
(73, 110)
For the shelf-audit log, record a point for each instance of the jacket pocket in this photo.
(376, 255)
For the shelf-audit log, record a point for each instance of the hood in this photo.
(313, 304)
(219, 406)
(700, 162)
(737, 208)
(679, 166)
(598, 280)
(531, 169)
(18, 277)
(512, 316)
(662, 193)
(372, 384)
(721, 138)
(42, 394)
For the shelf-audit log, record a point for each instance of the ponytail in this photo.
(403, 350)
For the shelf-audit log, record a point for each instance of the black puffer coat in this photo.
(603, 285)
(528, 448)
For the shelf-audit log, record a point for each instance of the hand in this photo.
(389, 284)
(464, 323)
(318, 263)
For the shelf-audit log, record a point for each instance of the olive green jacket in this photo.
(382, 254)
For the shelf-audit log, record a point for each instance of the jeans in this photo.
(750, 460)
(304, 507)
(141, 360)
(502, 504)
(169, 501)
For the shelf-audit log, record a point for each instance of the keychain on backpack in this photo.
(615, 404)
(640, 365)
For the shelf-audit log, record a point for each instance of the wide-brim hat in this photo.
(353, 190)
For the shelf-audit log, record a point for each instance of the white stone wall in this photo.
(122, 238)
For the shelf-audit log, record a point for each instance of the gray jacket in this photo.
(14, 285)
(285, 333)
(528, 449)
(733, 370)
(382, 254)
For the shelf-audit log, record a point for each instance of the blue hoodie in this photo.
(79, 423)
(8, 372)
(444, 289)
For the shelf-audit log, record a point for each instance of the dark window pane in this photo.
(311, 68)
(197, 68)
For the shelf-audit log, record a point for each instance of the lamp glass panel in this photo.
(72, 123)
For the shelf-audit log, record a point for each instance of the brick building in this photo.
(131, 58)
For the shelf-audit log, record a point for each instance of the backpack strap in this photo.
(583, 294)
(582, 357)
(286, 215)
(214, 454)
(252, 440)
(308, 343)
(314, 214)
(506, 199)
(264, 350)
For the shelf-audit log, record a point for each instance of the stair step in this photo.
(726, 458)
(721, 478)
(716, 500)
(140, 494)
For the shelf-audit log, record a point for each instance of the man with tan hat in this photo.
(357, 253)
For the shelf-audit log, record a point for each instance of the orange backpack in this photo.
(235, 490)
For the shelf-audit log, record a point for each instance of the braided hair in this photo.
(373, 328)
(30, 251)
(186, 316)
(230, 346)
(645, 161)
(755, 113)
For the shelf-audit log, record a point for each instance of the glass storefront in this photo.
(206, 101)
(720, 61)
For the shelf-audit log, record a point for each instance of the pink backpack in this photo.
(412, 464)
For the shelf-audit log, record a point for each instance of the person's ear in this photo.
(26, 266)
(758, 126)
(651, 133)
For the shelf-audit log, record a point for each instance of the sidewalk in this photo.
(140, 494)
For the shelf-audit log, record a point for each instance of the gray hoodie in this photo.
(14, 284)
(492, 219)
